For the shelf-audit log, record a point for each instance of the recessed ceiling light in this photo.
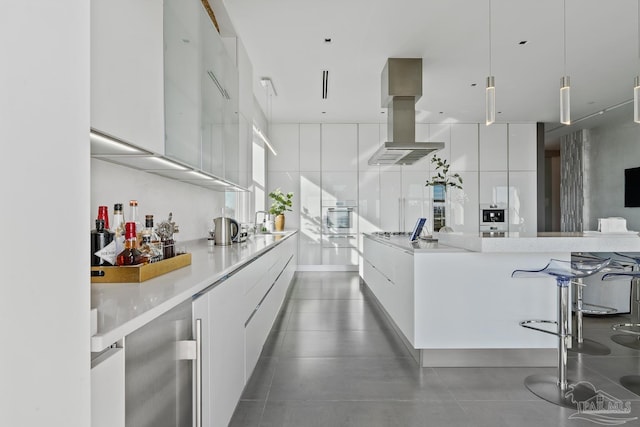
(327, 39)
(324, 112)
(474, 84)
(441, 112)
(523, 42)
(381, 112)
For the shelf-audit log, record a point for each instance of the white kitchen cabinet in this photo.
(464, 214)
(310, 147)
(493, 188)
(107, 389)
(223, 376)
(267, 299)
(182, 81)
(310, 248)
(523, 146)
(127, 99)
(339, 147)
(390, 200)
(415, 198)
(388, 272)
(368, 143)
(493, 147)
(285, 140)
(464, 147)
(339, 186)
(523, 214)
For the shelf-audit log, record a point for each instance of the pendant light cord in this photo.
(490, 72)
(564, 35)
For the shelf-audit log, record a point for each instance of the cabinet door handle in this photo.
(198, 372)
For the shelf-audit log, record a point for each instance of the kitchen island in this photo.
(455, 302)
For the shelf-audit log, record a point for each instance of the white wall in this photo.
(44, 182)
(613, 148)
(193, 207)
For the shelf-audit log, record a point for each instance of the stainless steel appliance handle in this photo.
(198, 372)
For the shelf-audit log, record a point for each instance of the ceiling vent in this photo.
(401, 89)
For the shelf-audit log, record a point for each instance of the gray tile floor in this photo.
(333, 360)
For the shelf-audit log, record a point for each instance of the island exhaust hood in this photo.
(401, 89)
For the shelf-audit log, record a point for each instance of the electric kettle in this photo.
(226, 231)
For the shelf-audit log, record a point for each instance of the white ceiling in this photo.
(285, 41)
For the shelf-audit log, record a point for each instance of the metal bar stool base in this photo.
(629, 341)
(631, 383)
(546, 387)
(590, 347)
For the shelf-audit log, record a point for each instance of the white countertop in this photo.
(124, 307)
(589, 241)
(419, 246)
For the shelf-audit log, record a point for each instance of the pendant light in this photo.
(490, 94)
(565, 82)
(636, 81)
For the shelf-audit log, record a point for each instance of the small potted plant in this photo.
(442, 176)
(281, 203)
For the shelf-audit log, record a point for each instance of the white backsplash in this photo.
(193, 207)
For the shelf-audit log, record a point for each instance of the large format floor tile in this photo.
(332, 359)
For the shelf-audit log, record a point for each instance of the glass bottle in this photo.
(118, 227)
(130, 255)
(133, 217)
(103, 214)
(154, 242)
(100, 239)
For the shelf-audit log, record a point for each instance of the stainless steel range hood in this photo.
(401, 89)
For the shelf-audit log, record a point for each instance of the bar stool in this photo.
(559, 390)
(630, 339)
(580, 344)
(630, 382)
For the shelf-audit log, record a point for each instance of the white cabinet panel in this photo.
(493, 147)
(368, 143)
(127, 98)
(415, 198)
(107, 389)
(523, 147)
(310, 219)
(223, 357)
(523, 215)
(339, 147)
(441, 133)
(287, 182)
(493, 188)
(464, 147)
(285, 138)
(390, 199)
(338, 186)
(339, 256)
(464, 214)
(369, 202)
(309, 147)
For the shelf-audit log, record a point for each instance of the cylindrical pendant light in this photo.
(636, 99)
(491, 100)
(565, 100)
(490, 95)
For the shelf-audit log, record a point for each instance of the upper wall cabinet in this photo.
(201, 92)
(493, 147)
(127, 71)
(339, 147)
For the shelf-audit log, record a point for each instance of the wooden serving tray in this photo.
(140, 273)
